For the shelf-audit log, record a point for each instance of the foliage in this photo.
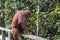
(56, 37)
(48, 16)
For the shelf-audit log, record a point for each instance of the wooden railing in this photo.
(24, 35)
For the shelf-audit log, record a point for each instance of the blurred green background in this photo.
(48, 16)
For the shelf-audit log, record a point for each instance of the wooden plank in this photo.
(33, 37)
(5, 29)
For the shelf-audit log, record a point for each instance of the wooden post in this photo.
(3, 36)
(9, 34)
